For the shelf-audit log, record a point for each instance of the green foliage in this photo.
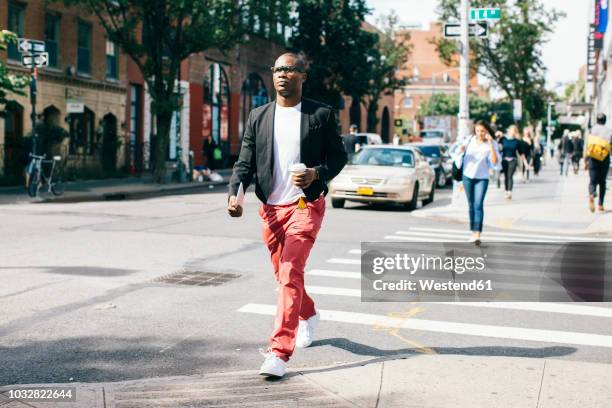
(337, 48)
(9, 83)
(448, 104)
(158, 35)
(512, 54)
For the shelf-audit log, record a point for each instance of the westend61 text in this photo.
(432, 285)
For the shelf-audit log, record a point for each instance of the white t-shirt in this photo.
(477, 160)
(287, 122)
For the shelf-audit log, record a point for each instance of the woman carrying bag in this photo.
(478, 155)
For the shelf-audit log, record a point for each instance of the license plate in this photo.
(367, 191)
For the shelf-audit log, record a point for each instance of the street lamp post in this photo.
(464, 67)
(549, 127)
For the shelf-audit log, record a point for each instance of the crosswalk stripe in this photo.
(468, 329)
(355, 252)
(454, 239)
(334, 274)
(562, 308)
(344, 261)
(502, 234)
(330, 290)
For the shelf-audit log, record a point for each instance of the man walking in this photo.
(597, 160)
(278, 136)
(351, 144)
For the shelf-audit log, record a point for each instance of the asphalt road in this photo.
(80, 298)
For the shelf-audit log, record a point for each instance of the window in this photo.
(15, 24)
(111, 60)
(84, 49)
(82, 132)
(408, 103)
(52, 39)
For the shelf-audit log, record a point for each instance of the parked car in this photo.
(368, 139)
(385, 174)
(439, 159)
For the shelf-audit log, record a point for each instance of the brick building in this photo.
(427, 74)
(85, 73)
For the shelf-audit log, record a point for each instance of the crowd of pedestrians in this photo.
(502, 154)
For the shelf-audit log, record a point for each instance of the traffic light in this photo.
(399, 122)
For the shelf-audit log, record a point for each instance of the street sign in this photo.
(27, 46)
(75, 107)
(36, 60)
(485, 14)
(453, 30)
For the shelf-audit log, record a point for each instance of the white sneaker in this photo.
(305, 333)
(273, 366)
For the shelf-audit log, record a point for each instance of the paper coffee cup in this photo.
(297, 168)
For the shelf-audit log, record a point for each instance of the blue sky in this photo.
(563, 54)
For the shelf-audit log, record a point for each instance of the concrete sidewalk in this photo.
(421, 381)
(112, 189)
(547, 203)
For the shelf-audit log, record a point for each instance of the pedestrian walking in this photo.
(597, 160)
(279, 137)
(511, 154)
(351, 143)
(499, 136)
(566, 149)
(527, 152)
(578, 150)
(478, 155)
(538, 152)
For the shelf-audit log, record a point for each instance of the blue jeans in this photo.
(475, 190)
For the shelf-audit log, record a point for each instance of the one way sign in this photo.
(37, 60)
(479, 29)
(27, 46)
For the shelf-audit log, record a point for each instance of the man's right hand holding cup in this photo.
(233, 208)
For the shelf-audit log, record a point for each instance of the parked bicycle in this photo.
(53, 181)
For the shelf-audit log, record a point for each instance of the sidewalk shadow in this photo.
(77, 270)
(397, 354)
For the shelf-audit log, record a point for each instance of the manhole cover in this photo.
(197, 278)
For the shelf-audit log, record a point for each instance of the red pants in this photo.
(289, 234)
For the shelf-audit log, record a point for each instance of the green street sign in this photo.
(485, 14)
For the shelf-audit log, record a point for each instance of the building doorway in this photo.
(15, 147)
(110, 143)
(385, 125)
(216, 114)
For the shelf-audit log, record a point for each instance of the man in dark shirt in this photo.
(350, 141)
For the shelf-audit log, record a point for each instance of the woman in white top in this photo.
(481, 153)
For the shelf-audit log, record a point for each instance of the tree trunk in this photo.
(372, 112)
(163, 121)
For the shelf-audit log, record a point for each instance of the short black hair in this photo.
(299, 59)
(601, 119)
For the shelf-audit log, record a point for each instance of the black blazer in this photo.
(321, 148)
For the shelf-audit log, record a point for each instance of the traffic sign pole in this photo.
(33, 93)
(464, 68)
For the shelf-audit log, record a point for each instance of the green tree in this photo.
(511, 56)
(330, 33)
(158, 35)
(9, 83)
(385, 60)
(448, 104)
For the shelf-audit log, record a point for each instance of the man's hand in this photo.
(305, 179)
(234, 209)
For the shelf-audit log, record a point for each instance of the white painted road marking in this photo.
(468, 329)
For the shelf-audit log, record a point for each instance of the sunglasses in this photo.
(288, 69)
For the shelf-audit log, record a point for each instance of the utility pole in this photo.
(549, 127)
(464, 69)
(33, 93)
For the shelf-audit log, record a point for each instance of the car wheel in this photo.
(337, 202)
(430, 197)
(441, 179)
(412, 204)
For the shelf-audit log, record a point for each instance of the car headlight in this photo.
(399, 180)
